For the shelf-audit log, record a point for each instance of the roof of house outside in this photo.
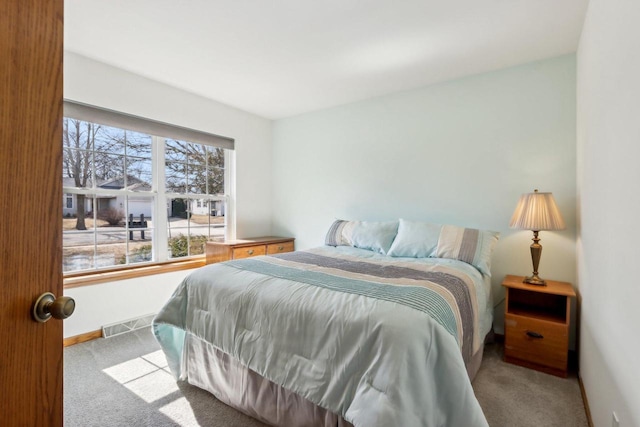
(134, 184)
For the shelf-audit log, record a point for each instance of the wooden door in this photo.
(30, 209)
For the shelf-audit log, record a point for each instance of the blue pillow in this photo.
(375, 236)
(415, 239)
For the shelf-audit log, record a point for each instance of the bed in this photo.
(360, 332)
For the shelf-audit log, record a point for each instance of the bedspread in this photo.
(381, 343)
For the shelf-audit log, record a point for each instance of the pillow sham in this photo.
(415, 239)
(375, 236)
(467, 244)
(340, 233)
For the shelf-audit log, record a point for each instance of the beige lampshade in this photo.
(537, 211)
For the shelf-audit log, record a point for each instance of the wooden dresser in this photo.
(536, 324)
(237, 249)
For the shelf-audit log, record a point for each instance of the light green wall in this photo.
(459, 152)
(608, 111)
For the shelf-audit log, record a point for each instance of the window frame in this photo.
(158, 195)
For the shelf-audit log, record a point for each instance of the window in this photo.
(134, 197)
(197, 171)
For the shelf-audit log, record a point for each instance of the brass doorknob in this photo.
(48, 306)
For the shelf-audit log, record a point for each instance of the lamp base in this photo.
(535, 280)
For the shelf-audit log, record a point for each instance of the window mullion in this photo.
(229, 191)
(160, 220)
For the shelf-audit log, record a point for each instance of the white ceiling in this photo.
(279, 58)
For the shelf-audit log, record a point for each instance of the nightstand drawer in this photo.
(249, 251)
(278, 248)
(536, 341)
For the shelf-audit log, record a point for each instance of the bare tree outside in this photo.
(120, 153)
(78, 139)
(92, 151)
(194, 168)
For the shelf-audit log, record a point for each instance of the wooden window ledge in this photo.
(75, 280)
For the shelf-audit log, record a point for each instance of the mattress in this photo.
(338, 335)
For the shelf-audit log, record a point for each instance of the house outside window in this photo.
(134, 198)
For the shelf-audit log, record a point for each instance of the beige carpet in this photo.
(124, 381)
(511, 395)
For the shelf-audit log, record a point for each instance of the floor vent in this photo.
(109, 331)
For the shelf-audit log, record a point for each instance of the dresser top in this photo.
(252, 241)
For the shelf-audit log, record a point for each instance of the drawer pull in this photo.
(534, 334)
(280, 248)
(250, 251)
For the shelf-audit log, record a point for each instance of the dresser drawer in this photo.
(536, 341)
(249, 251)
(278, 248)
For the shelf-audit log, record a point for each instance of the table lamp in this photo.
(536, 211)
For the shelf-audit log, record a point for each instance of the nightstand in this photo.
(245, 248)
(536, 324)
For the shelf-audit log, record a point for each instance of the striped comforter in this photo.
(379, 342)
